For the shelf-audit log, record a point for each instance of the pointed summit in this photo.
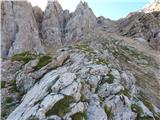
(52, 23)
(83, 7)
(82, 21)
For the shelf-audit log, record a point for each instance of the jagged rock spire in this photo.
(19, 29)
(52, 23)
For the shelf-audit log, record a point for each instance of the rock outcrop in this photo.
(61, 27)
(142, 25)
(52, 25)
(81, 25)
(97, 80)
(19, 29)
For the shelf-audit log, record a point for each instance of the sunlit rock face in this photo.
(154, 5)
(19, 29)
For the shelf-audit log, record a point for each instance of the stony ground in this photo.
(104, 79)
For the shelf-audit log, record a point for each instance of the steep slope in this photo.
(19, 29)
(154, 5)
(93, 80)
(142, 25)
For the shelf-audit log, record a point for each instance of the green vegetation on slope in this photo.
(61, 107)
(44, 60)
(25, 57)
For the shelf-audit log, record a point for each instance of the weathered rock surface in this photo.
(19, 29)
(79, 82)
(52, 24)
(81, 24)
(142, 25)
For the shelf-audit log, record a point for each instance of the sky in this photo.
(113, 9)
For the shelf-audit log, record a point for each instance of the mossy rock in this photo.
(44, 60)
(108, 111)
(25, 57)
(135, 108)
(61, 107)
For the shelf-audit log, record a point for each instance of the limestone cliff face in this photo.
(81, 23)
(19, 29)
(52, 24)
(61, 27)
(38, 14)
(24, 27)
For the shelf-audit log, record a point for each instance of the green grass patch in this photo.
(135, 108)
(83, 98)
(110, 79)
(102, 61)
(25, 57)
(61, 107)
(147, 103)
(85, 115)
(3, 84)
(8, 100)
(125, 92)
(85, 48)
(78, 116)
(44, 60)
(108, 111)
(13, 87)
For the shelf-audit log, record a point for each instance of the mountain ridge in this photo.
(65, 28)
(74, 66)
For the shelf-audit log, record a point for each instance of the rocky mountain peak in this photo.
(154, 5)
(83, 8)
(82, 5)
(52, 23)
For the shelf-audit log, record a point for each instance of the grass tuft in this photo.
(61, 107)
(77, 116)
(108, 111)
(44, 60)
(25, 57)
